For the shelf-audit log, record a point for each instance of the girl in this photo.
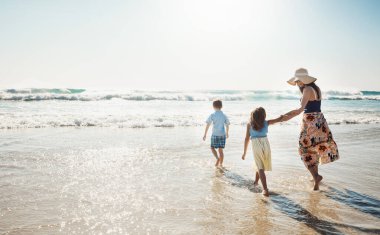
(257, 130)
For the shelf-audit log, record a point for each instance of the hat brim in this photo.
(292, 81)
(305, 79)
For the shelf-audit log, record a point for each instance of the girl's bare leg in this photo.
(256, 179)
(264, 182)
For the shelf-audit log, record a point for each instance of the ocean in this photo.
(38, 108)
(82, 161)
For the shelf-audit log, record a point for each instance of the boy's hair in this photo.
(257, 118)
(217, 104)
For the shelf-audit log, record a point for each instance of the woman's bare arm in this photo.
(276, 120)
(307, 93)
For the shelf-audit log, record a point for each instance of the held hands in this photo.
(282, 117)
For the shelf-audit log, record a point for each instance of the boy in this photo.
(219, 133)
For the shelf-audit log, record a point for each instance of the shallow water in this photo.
(162, 181)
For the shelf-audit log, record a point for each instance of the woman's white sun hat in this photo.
(303, 76)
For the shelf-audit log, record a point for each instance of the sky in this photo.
(189, 44)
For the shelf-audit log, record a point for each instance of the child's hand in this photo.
(204, 137)
(243, 157)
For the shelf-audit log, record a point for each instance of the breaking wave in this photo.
(41, 94)
(28, 108)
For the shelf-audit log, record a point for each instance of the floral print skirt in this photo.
(316, 143)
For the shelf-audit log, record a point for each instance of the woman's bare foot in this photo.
(217, 163)
(316, 184)
(265, 192)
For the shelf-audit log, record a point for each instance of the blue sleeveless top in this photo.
(260, 133)
(313, 106)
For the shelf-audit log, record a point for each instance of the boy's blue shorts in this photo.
(218, 141)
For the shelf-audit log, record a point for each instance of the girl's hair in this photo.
(257, 118)
(315, 87)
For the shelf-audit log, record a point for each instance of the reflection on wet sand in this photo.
(258, 219)
(218, 206)
(319, 206)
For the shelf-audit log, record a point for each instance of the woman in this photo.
(316, 143)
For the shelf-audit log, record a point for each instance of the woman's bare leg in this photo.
(317, 178)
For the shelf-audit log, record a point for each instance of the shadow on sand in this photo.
(358, 201)
(297, 212)
(239, 181)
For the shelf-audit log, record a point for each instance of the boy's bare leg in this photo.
(257, 177)
(221, 157)
(264, 182)
(215, 155)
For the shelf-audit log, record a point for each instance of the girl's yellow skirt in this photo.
(262, 153)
